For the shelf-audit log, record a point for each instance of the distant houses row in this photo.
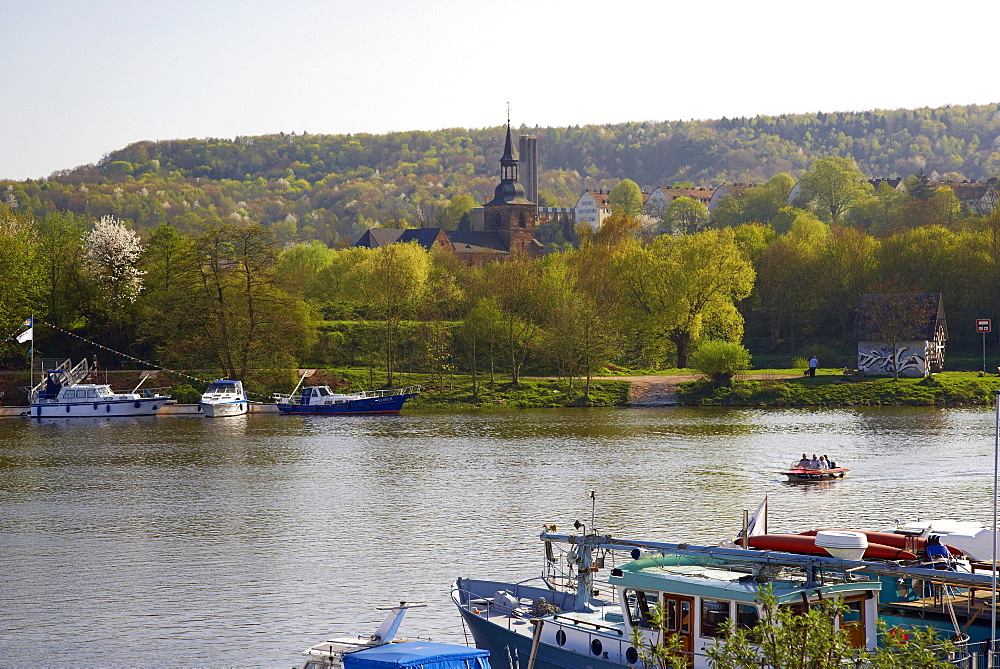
(593, 206)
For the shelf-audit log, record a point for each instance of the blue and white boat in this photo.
(385, 650)
(63, 394)
(572, 619)
(224, 397)
(320, 400)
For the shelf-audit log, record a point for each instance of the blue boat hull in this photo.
(388, 404)
(507, 648)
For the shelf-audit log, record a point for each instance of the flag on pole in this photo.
(758, 521)
(27, 335)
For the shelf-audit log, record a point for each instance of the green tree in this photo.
(675, 286)
(685, 214)
(835, 184)
(626, 198)
(459, 207)
(246, 319)
(720, 360)
(392, 280)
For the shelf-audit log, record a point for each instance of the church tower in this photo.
(509, 213)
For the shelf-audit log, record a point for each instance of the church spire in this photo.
(508, 163)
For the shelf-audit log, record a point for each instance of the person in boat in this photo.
(830, 464)
(804, 463)
(815, 463)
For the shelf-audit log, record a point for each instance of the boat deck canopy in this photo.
(419, 654)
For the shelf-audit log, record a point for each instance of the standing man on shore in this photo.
(813, 364)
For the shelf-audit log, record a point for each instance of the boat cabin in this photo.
(323, 395)
(698, 596)
(225, 387)
(79, 393)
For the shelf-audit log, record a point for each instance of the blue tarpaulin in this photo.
(422, 654)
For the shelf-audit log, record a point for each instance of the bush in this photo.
(721, 360)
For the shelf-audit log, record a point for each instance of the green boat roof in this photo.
(710, 578)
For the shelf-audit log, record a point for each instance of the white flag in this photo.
(757, 523)
(27, 335)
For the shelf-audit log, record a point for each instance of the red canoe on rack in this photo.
(806, 545)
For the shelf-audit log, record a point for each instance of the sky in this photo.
(79, 79)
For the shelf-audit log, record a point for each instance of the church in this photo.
(509, 223)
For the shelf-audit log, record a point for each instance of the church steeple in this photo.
(508, 163)
(508, 191)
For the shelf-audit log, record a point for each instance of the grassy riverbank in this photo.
(767, 388)
(835, 389)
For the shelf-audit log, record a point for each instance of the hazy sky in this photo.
(79, 79)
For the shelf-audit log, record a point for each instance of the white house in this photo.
(592, 208)
(660, 198)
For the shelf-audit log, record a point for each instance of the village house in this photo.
(660, 198)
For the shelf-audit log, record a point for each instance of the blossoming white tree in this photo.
(111, 253)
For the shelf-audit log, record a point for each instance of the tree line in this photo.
(635, 293)
(332, 187)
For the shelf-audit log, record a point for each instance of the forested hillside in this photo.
(331, 187)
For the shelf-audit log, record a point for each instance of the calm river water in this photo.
(241, 541)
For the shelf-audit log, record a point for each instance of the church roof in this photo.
(376, 237)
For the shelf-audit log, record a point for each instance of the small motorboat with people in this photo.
(814, 469)
(321, 400)
(63, 393)
(224, 397)
(385, 650)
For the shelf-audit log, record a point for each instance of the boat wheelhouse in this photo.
(224, 397)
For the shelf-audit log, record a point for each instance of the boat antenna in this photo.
(593, 510)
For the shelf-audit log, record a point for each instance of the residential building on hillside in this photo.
(592, 208)
(735, 189)
(980, 198)
(660, 198)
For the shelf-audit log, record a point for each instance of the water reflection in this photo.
(134, 540)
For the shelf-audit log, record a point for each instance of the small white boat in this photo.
(224, 397)
(331, 652)
(61, 394)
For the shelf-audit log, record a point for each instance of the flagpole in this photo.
(31, 372)
(996, 477)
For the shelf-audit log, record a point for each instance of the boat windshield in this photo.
(217, 387)
(640, 606)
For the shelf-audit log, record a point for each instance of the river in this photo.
(242, 541)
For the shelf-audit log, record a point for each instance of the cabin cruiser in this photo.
(224, 397)
(62, 393)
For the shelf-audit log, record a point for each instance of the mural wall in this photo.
(877, 359)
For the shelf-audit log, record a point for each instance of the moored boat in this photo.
(331, 652)
(224, 397)
(321, 400)
(592, 625)
(63, 394)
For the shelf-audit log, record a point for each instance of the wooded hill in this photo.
(332, 187)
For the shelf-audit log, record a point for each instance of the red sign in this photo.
(983, 325)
